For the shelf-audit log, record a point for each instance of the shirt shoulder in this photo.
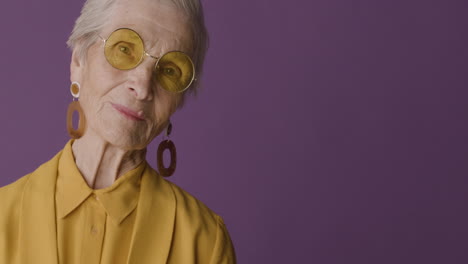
(191, 207)
(10, 194)
(10, 206)
(199, 227)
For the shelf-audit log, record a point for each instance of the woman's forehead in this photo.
(157, 24)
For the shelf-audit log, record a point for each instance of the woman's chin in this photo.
(125, 138)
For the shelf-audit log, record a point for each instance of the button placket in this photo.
(94, 236)
(94, 230)
(95, 196)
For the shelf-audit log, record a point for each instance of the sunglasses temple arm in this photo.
(103, 39)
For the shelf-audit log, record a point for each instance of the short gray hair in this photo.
(95, 13)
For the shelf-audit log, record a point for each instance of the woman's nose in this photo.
(142, 80)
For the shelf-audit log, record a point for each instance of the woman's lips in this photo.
(138, 116)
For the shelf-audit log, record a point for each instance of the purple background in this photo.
(328, 131)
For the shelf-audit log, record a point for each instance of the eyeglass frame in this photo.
(148, 55)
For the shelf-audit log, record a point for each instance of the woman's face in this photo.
(107, 93)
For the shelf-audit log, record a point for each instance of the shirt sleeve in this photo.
(223, 252)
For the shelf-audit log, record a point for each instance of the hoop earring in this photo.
(72, 107)
(167, 144)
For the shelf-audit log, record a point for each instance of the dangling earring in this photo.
(75, 106)
(167, 144)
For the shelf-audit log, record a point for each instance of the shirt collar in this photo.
(118, 200)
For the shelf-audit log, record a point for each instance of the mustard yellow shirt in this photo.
(94, 226)
(49, 216)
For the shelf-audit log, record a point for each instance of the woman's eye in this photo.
(171, 71)
(124, 49)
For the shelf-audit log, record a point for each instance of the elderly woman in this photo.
(98, 200)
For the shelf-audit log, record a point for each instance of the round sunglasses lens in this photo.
(124, 49)
(175, 71)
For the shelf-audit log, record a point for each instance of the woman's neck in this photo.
(101, 163)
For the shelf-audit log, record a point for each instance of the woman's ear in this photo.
(76, 66)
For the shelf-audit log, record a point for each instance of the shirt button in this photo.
(94, 230)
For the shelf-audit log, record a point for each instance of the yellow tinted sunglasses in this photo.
(124, 50)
